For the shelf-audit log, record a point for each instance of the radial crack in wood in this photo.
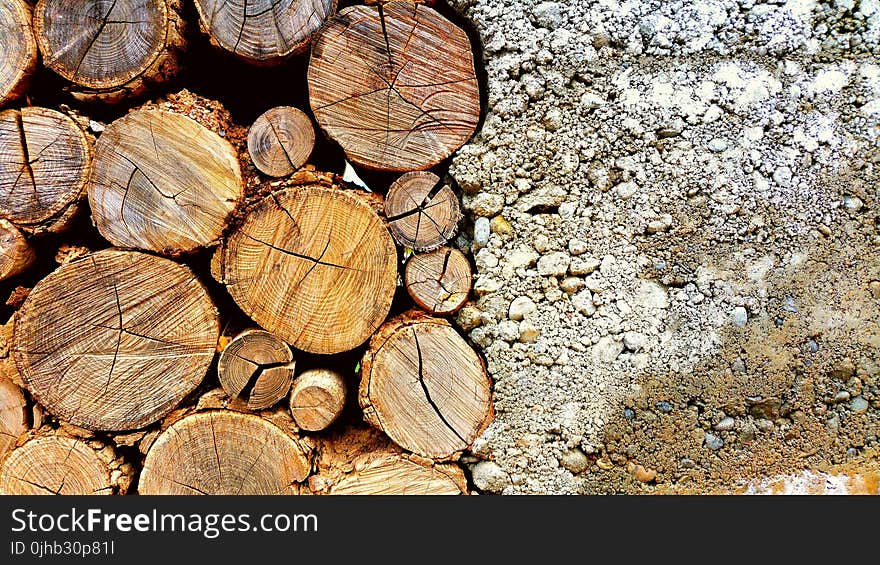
(163, 182)
(54, 465)
(220, 452)
(314, 266)
(281, 140)
(257, 368)
(394, 85)
(439, 281)
(262, 31)
(18, 58)
(16, 255)
(317, 399)
(425, 387)
(422, 212)
(115, 340)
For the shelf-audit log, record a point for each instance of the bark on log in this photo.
(439, 281)
(115, 340)
(19, 56)
(163, 182)
(261, 32)
(220, 452)
(313, 265)
(422, 213)
(256, 367)
(55, 465)
(317, 399)
(394, 85)
(16, 255)
(13, 415)
(110, 49)
(45, 158)
(281, 140)
(424, 386)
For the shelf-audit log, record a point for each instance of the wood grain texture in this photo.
(394, 85)
(16, 255)
(425, 387)
(45, 158)
(317, 399)
(281, 140)
(263, 31)
(438, 281)
(18, 58)
(13, 414)
(163, 182)
(110, 48)
(396, 475)
(219, 452)
(315, 266)
(54, 465)
(257, 368)
(115, 340)
(422, 212)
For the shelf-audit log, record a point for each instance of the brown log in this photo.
(13, 414)
(16, 255)
(317, 399)
(18, 60)
(110, 49)
(220, 452)
(55, 465)
(256, 367)
(262, 33)
(397, 475)
(394, 85)
(422, 213)
(115, 340)
(45, 158)
(281, 140)
(439, 281)
(163, 182)
(313, 265)
(424, 386)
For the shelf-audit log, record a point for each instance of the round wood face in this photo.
(422, 213)
(54, 465)
(223, 453)
(439, 281)
(115, 340)
(263, 31)
(19, 48)
(44, 164)
(256, 367)
(395, 475)
(281, 140)
(100, 43)
(163, 182)
(314, 266)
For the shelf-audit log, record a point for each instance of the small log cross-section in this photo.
(424, 386)
(44, 164)
(394, 85)
(18, 59)
(314, 266)
(15, 253)
(54, 465)
(109, 48)
(317, 399)
(422, 212)
(115, 340)
(256, 367)
(281, 140)
(439, 281)
(396, 475)
(263, 32)
(163, 182)
(224, 453)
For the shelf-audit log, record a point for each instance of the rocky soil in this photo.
(674, 215)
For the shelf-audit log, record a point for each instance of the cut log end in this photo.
(314, 266)
(396, 475)
(45, 158)
(16, 255)
(422, 213)
(109, 49)
(256, 367)
(18, 59)
(425, 387)
(162, 182)
(280, 141)
(439, 281)
(317, 399)
(54, 465)
(13, 415)
(115, 340)
(263, 36)
(394, 85)
(224, 453)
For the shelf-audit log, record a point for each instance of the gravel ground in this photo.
(673, 210)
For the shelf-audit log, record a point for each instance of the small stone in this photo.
(634, 341)
(853, 203)
(582, 266)
(641, 473)
(469, 317)
(874, 287)
(764, 424)
(548, 15)
(508, 331)
(604, 463)
(486, 285)
(485, 259)
(552, 119)
(96, 127)
(583, 302)
(726, 424)
(664, 406)
(718, 145)
(713, 442)
(481, 232)
(485, 204)
(575, 461)
(739, 316)
(520, 307)
(571, 284)
(841, 396)
(629, 414)
(607, 349)
(859, 405)
(661, 225)
(553, 264)
(782, 176)
(499, 225)
(577, 247)
(528, 332)
(488, 476)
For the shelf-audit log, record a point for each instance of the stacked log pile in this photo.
(238, 322)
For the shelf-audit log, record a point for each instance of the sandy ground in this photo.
(673, 208)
